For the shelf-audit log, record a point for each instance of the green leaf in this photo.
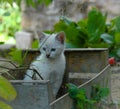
(40, 1)
(117, 37)
(81, 95)
(1, 42)
(118, 23)
(16, 55)
(4, 106)
(118, 53)
(35, 44)
(30, 3)
(75, 36)
(95, 25)
(98, 93)
(103, 92)
(72, 90)
(69, 45)
(18, 2)
(10, 2)
(60, 26)
(7, 91)
(47, 2)
(6, 14)
(107, 38)
(113, 53)
(82, 23)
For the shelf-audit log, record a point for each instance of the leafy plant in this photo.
(1, 42)
(79, 96)
(10, 17)
(86, 32)
(80, 99)
(32, 3)
(92, 32)
(35, 44)
(17, 56)
(7, 92)
(99, 93)
(9, 20)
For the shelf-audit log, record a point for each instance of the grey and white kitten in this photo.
(51, 63)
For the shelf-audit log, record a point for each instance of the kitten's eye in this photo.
(53, 49)
(44, 48)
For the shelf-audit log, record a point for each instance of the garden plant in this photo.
(93, 32)
(80, 99)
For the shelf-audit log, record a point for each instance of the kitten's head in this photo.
(52, 45)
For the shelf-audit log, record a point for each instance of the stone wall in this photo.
(112, 7)
(43, 18)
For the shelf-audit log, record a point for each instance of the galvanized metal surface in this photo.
(79, 60)
(102, 79)
(34, 94)
(86, 60)
(38, 95)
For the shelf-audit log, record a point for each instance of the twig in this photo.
(4, 60)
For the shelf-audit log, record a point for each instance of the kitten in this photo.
(51, 63)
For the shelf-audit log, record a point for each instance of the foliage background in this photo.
(92, 32)
(10, 19)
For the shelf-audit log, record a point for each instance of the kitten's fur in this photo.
(51, 63)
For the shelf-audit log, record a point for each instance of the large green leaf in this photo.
(4, 106)
(16, 55)
(74, 33)
(75, 36)
(7, 91)
(60, 26)
(107, 38)
(118, 23)
(96, 24)
(82, 23)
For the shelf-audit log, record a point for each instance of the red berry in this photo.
(112, 61)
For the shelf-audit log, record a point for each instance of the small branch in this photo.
(9, 61)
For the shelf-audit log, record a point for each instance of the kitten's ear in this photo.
(40, 35)
(61, 37)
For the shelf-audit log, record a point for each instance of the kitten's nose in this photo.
(47, 55)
